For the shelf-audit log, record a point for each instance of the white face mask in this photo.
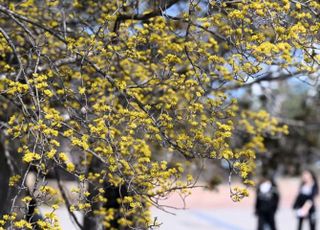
(265, 187)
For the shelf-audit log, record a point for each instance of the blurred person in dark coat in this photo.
(267, 200)
(304, 204)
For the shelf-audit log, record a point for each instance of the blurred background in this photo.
(215, 210)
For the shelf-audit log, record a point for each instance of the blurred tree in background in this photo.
(295, 103)
(120, 96)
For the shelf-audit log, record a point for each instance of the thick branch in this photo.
(142, 17)
(267, 77)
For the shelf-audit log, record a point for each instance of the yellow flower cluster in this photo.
(30, 156)
(14, 180)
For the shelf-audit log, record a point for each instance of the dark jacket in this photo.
(303, 198)
(267, 203)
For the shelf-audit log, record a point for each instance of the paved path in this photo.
(209, 210)
(220, 219)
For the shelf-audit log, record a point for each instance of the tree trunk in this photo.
(91, 222)
(4, 181)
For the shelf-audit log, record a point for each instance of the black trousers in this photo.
(312, 221)
(266, 221)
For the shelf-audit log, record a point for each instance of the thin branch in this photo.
(65, 198)
(14, 49)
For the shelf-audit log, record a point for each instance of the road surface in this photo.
(214, 210)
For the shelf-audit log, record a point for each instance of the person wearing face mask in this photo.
(304, 204)
(267, 199)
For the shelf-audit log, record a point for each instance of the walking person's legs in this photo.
(300, 221)
(261, 222)
(312, 221)
(272, 222)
